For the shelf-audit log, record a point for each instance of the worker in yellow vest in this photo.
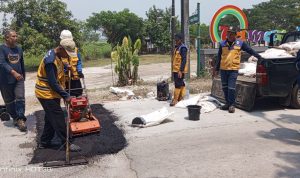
(50, 88)
(179, 69)
(228, 63)
(75, 65)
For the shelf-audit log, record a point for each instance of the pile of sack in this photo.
(285, 50)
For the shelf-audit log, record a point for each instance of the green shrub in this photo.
(96, 50)
(32, 62)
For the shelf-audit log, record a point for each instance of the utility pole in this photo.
(173, 26)
(186, 36)
(199, 65)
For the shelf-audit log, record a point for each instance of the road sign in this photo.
(194, 19)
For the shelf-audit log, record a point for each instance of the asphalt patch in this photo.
(110, 140)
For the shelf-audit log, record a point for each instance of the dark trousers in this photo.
(228, 79)
(14, 98)
(76, 88)
(179, 82)
(54, 121)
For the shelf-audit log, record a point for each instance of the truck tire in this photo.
(295, 99)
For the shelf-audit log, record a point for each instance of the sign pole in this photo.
(199, 67)
(186, 38)
(173, 28)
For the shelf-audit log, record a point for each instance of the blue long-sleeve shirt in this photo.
(244, 47)
(11, 59)
(79, 63)
(183, 53)
(51, 72)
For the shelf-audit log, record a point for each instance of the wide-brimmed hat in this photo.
(66, 34)
(69, 46)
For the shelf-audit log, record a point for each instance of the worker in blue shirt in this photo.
(228, 63)
(179, 69)
(50, 88)
(12, 78)
(74, 64)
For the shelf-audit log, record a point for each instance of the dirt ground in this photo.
(99, 79)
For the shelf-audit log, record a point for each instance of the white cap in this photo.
(69, 45)
(66, 34)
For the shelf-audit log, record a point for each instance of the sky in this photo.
(82, 9)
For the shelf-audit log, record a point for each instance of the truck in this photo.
(275, 77)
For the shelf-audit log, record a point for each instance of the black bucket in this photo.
(194, 112)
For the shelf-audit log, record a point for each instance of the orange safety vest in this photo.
(73, 61)
(177, 59)
(42, 88)
(231, 55)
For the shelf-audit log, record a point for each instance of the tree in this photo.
(204, 34)
(41, 19)
(88, 34)
(116, 25)
(274, 15)
(157, 27)
(229, 20)
(32, 41)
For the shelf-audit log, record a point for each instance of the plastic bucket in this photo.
(194, 112)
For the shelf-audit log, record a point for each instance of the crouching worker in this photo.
(74, 64)
(50, 88)
(179, 68)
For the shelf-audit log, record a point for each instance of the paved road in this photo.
(263, 143)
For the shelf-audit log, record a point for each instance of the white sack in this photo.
(247, 69)
(207, 103)
(117, 91)
(152, 119)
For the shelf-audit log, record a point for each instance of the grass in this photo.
(97, 63)
(32, 62)
(144, 60)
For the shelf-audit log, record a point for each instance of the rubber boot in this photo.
(225, 107)
(176, 96)
(182, 93)
(231, 109)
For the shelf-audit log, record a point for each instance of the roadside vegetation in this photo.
(38, 27)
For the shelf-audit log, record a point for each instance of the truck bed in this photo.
(245, 79)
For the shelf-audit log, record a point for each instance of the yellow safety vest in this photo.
(231, 56)
(42, 88)
(73, 61)
(177, 59)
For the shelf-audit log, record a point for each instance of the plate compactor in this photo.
(82, 121)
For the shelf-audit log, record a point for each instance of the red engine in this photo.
(78, 107)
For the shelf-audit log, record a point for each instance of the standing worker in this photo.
(228, 63)
(50, 88)
(179, 68)
(75, 65)
(12, 78)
